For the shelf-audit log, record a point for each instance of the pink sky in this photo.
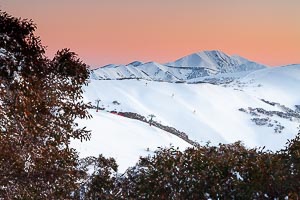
(121, 31)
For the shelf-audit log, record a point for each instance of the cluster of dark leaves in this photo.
(223, 172)
(39, 100)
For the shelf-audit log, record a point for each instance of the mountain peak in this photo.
(209, 53)
(206, 59)
(200, 64)
(212, 52)
(135, 63)
(110, 66)
(152, 63)
(215, 60)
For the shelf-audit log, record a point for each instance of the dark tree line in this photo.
(39, 101)
(208, 172)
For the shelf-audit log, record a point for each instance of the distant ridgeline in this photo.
(202, 64)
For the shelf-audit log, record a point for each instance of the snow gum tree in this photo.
(39, 100)
(215, 172)
(102, 182)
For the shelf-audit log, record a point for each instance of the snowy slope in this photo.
(196, 65)
(122, 138)
(209, 112)
(279, 84)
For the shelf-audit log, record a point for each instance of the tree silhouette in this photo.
(39, 100)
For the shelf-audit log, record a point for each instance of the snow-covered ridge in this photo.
(260, 108)
(201, 64)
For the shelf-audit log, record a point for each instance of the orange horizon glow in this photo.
(121, 31)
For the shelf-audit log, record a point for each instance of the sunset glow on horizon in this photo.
(121, 31)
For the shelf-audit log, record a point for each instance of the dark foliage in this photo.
(223, 172)
(101, 180)
(39, 100)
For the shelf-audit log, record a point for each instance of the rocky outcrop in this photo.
(262, 117)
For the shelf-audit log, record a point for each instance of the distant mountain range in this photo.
(201, 64)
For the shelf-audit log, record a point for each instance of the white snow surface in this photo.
(279, 84)
(196, 65)
(205, 112)
(123, 139)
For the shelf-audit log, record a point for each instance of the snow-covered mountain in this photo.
(193, 66)
(260, 108)
(216, 61)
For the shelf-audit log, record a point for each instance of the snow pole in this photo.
(97, 107)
